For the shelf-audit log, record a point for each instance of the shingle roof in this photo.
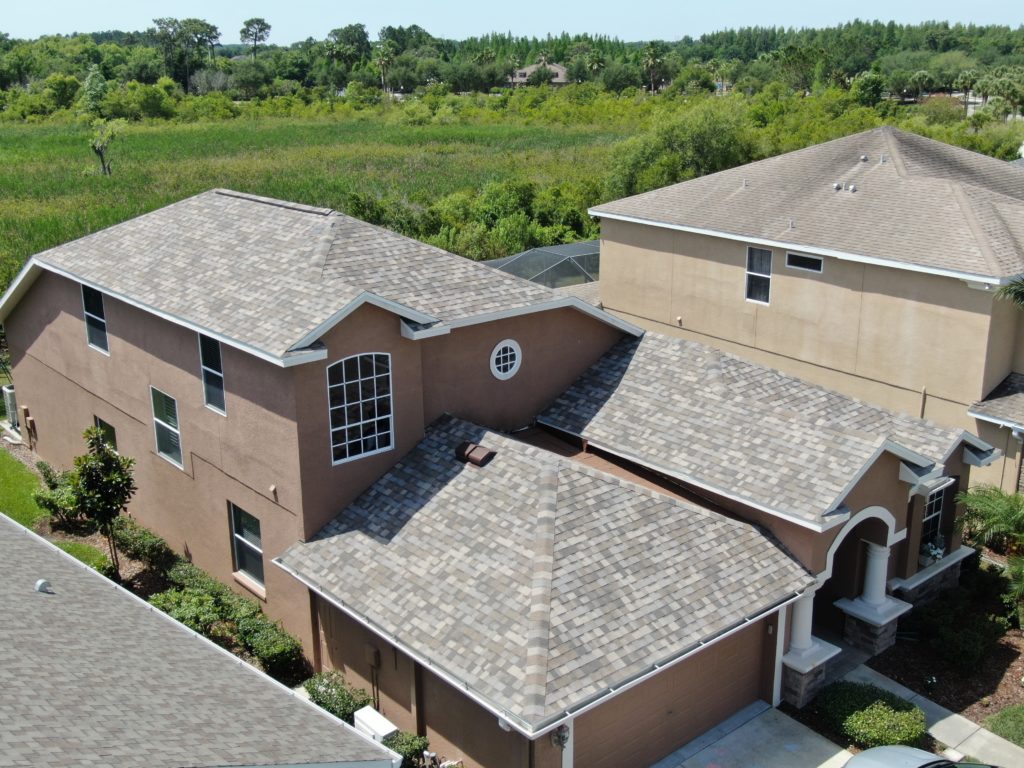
(1004, 404)
(589, 292)
(746, 431)
(927, 204)
(91, 676)
(267, 273)
(536, 581)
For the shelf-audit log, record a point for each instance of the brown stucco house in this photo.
(538, 535)
(867, 264)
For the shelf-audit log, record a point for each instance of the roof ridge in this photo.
(322, 248)
(538, 630)
(274, 202)
(977, 230)
(894, 152)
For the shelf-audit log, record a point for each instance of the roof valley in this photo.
(538, 630)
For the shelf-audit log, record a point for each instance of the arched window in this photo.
(359, 397)
(506, 358)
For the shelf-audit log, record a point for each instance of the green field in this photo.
(50, 191)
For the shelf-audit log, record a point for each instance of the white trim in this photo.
(517, 359)
(820, 259)
(236, 539)
(364, 297)
(204, 369)
(396, 760)
(811, 249)
(176, 430)
(503, 714)
(86, 314)
(390, 416)
(748, 274)
(925, 574)
(780, 647)
(879, 513)
(994, 420)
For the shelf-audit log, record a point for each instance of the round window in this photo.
(505, 359)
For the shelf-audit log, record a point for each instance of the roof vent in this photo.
(837, 186)
(744, 184)
(44, 586)
(792, 224)
(477, 455)
(884, 158)
(853, 187)
(863, 158)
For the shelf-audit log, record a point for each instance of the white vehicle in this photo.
(904, 757)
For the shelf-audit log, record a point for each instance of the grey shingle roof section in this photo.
(1004, 404)
(91, 676)
(536, 581)
(589, 292)
(926, 204)
(267, 273)
(726, 424)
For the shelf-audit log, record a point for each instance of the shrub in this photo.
(89, 555)
(142, 544)
(959, 642)
(410, 746)
(195, 609)
(870, 716)
(187, 576)
(331, 691)
(279, 652)
(58, 496)
(1009, 724)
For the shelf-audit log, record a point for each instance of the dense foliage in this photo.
(334, 693)
(870, 716)
(410, 746)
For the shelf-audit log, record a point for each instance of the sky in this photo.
(299, 19)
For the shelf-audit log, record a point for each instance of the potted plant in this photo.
(930, 552)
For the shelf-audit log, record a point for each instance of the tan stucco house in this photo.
(867, 264)
(537, 534)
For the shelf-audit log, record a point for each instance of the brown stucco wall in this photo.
(558, 346)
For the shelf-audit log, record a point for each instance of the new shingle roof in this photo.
(743, 430)
(269, 275)
(537, 582)
(1004, 404)
(918, 202)
(92, 676)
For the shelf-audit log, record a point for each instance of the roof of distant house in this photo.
(881, 196)
(271, 277)
(534, 583)
(741, 430)
(1004, 405)
(93, 676)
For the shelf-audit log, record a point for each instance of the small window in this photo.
(165, 422)
(213, 373)
(359, 400)
(932, 516)
(506, 357)
(247, 543)
(95, 319)
(807, 263)
(109, 435)
(759, 274)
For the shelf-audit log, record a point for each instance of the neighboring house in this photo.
(297, 387)
(92, 675)
(521, 76)
(867, 264)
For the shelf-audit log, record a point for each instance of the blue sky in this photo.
(299, 19)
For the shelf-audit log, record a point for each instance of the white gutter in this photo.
(503, 714)
(1011, 425)
(803, 248)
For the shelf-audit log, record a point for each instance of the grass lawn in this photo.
(17, 484)
(87, 553)
(1009, 724)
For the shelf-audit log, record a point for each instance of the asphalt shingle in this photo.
(1005, 403)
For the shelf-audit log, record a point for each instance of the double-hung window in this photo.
(213, 373)
(108, 432)
(359, 399)
(165, 423)
(246, 543)
(95, 318)
(759, 274)
(932, 516)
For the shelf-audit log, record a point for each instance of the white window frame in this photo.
(939, 496)
(513, 345)
(238, 540)
(207, 369)
(819, 259)
(157, 423)
(345, 426)
(96, 421)
(87, 315)
(748, 274)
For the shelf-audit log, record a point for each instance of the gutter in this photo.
(505, 716)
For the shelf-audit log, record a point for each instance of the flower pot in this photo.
(925, 560)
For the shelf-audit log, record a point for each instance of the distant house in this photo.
(522, 75)
(92, 675)
(867, 264)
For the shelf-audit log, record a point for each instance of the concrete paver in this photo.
(985, 745)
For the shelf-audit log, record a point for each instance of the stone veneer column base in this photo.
(798, 688)
(867, 637)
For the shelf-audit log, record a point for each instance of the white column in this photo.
(803, 615)
(875, 574)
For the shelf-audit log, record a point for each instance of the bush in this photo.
(58, 495)
(89, 555)
(187, 576)
(331, 691)
(870, 716)
(1009, 724)
(410, 746)
(142, 544)
(953, 626)
(194, 608)
(278, 652)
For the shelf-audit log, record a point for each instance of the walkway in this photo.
(960, 735)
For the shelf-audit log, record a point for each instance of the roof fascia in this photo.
(969, 277)
(718, 491)
(296, 358)
(550, 724)
(1012, 425)
(19, 287)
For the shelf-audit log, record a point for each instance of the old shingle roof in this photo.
(1004, 404)
(589, 292)
(537, 582)
(267, 274)
(926, 204)
(738, 428)
(92, 676)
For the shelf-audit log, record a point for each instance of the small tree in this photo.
(104, 487)
(104, 133)
(254, 31)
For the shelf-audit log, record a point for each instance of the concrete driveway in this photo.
(770, 740)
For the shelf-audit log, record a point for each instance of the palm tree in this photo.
(651, 61)
(965, 82)
(384, 56)
(1013, 291)
(993, 517)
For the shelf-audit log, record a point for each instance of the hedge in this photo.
(410, 746)
(870, 716)
(142, 544)
(332, 692)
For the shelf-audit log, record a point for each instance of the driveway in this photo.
(770, 740)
